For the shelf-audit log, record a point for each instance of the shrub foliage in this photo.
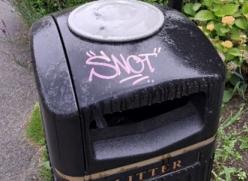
(225, 22)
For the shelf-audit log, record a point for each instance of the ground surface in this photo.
(18, 159)
(232, 107)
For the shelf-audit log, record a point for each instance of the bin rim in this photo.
(155, 19)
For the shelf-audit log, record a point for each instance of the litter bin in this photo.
(128, 91)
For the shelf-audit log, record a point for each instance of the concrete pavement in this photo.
(18, 158)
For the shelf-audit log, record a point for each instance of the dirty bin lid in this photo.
(115, 20)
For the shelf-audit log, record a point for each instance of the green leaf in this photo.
(196, 6)
(242, 89)
(204, 15)
(236, 78)
(244, 142)
(235, 34)
(208, 3)
(229, 57)
(233, 118)
(188, 9)
(226, 9)
(228, 94)
(235, 52)
(242, 175)
(221, 29)
(229, 172)
(245, 9)
(241, 23)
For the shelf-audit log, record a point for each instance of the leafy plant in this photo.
(45, 168)
(35, 133)
(34, 129)
(35, 9)
(225, 23)
(230, 144)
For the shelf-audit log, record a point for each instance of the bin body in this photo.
(138, 110)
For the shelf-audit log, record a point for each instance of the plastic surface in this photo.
(195, 165)
(57, 98)
(101, 99)
(176, 62)
(115, 20)
(177, 4)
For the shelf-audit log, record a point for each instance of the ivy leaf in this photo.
(226, 9)
(204, 15)
(241, 23)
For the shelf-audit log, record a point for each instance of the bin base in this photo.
(192, 163)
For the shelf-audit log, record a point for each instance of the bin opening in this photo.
(168, 123)
(140, 114)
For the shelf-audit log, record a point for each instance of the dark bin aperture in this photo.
(135, 108)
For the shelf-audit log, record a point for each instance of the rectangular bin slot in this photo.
(140, 114)
(166, 122)
(143, 113)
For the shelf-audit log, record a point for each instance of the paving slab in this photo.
(18, 158)
(14, 34)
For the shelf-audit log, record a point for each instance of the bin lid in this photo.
(115, 20)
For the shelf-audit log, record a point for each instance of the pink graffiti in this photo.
(110, 67)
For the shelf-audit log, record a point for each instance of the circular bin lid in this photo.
(115, 20)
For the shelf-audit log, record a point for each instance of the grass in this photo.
(45, 169)
(33, 10)
(34, 129)
(35, 133)
(232, 141)
(28, 12)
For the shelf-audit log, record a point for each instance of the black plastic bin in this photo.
(127, 104)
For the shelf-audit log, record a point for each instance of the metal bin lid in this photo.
(115, 20)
